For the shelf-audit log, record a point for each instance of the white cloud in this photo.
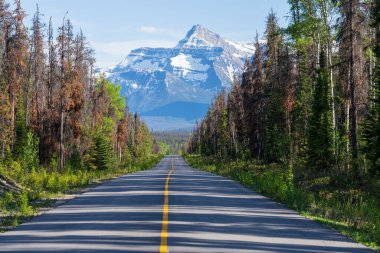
(111, 53)
(163, 31)
(148, 29)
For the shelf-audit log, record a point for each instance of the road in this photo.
(204, 212)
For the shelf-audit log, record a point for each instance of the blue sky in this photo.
(114, 27)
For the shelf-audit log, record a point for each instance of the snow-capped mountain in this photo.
(157, 79)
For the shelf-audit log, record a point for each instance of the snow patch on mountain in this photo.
(245, 49)
(146, 65)
(187, 62)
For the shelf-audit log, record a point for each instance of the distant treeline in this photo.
(172, 142)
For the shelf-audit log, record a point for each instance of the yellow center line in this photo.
(164, 229)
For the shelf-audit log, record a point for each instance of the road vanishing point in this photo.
(174, 208)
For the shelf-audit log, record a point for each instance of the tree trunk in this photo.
(61, 144)
(353, 111)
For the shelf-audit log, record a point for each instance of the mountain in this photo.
(167, 81)
(193, 110)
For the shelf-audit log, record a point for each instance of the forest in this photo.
(172, 142)
(301, 124)
(62, 125)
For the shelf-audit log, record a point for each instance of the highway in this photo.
(174, 208)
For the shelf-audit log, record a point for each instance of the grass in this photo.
(352, 211)
(42, 188)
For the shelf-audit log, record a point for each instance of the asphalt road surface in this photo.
(205, 213)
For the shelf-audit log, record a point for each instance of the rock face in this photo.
(192, 72)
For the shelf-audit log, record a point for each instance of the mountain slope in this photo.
(193, 111)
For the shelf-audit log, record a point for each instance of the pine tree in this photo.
(304, 31)
(37, 78)
(320, 136)
(371, 126)
(21, 131)
(49, 141)
(276, 143)
(122, 135)
(252, 86)
(220, 118)
(234, 119)
(16, 56)
(102, 152)
(353, 85)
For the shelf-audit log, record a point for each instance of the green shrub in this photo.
(75, 160)
(29, 156)
(8, 202)
(23, 203)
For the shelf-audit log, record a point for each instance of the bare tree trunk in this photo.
(61, 144)
(353, 128)
(13, 102)
(3, 142)
(27, 106)
(332, 86)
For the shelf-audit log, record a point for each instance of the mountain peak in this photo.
(196, 29)
(199, 36)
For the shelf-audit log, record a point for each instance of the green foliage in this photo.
(26, 144)
(320, 136)
(107, 127)
(143, 141)
(16, 203)
(165, 149)
(101, 153)
(117, 101)
(76, 160)
(276, 141)
(371, 125)
(29, 154)
(21, 132)
(23, 203)
(7, 202)
(371, 138)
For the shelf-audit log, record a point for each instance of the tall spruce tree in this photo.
(320, 148)
(371, 128)
(276, 138)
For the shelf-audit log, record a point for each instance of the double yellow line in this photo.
(164, 229)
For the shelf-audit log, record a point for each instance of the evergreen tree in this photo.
(320, 136)
(303, 33)
(253, 102)
(276, 144)
(102, 152)
(234, 119)
(371, 128)
(21, 131)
